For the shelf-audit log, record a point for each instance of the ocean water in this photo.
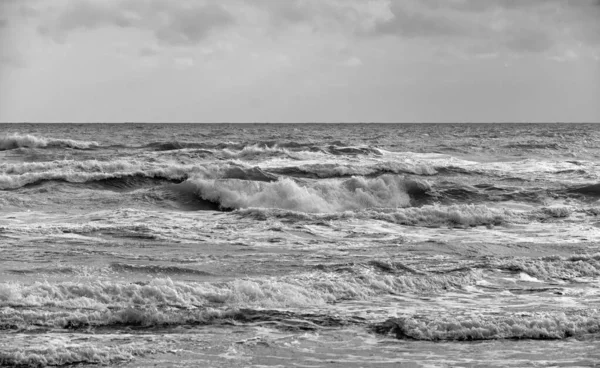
(300, 245)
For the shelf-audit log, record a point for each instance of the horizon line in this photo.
(297, 122)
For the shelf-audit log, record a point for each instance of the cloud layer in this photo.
(174, 23)
(470, 26)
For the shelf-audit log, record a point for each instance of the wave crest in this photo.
(16, 140)
(14, 176)
(71, 354)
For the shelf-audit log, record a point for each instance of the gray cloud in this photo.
(148, 51)
(529, 26)
(174, 22)
(291, 11)
(528, 40)
(190, 26)
(346, 16)
(408, 23)
(491, 26)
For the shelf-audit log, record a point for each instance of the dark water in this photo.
(300, 244)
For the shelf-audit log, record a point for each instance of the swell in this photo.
(116, 173)
(121, 174)
(119, 182)
(553, 267)
(456, 215)
(590, 190)
(336, 148)
(157, 269)
(17, 140)
(42, 270)
(280, 319)
(536, 146)
(132, 182)
(13, 141)
(323, 171)
(453, 192)
(429, 216)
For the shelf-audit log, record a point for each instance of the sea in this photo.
(300, 245)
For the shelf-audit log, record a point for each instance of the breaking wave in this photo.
(357, 193)
(97, 303)
(14, 141)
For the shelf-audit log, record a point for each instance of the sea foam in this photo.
(70, 354)
(547, 325)
(431, 215)
(100, 303)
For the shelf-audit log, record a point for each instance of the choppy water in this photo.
(300, 245)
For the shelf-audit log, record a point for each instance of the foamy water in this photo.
(300, 245)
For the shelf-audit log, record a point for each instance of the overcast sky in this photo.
(300, 60)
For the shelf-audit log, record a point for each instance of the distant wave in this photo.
(42, 270)
(121, 174)
(16, 176)
(266, 147)
(173, 145)
(333, 170)
(536, 146)
(132, 182)
(539, 326)
(157, 269)
(13, 141)
(387, 191)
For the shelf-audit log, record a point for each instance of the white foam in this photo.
(433, 215)
(481, 327)
(103, 302)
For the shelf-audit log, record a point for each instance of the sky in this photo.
(300, 60)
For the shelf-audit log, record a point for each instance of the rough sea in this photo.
(300, 245)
